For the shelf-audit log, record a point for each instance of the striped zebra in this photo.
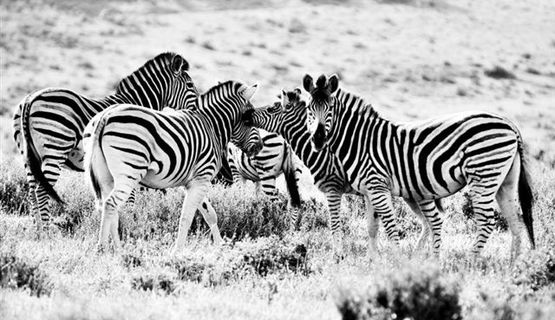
(48, 124)
(423, 161)
(128, 146)
(276, 157)
(287, 118)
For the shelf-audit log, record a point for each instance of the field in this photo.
(411, 59)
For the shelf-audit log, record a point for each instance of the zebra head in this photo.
(280, 116)
(182, 92)
(320, 108)
(244, 134)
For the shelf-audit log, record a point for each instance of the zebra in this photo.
(286, 118)
(127, 146)
(427, 160)
(48, 124)
(275, 157)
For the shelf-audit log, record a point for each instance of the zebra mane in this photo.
(355, 103)
(163, 58)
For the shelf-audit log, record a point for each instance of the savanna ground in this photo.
(412, 59)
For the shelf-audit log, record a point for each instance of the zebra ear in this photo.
(177, 63)
(185, 66)
(333, 83)
(248, 92)
(297, 91)
(308, 84)
(284, 100)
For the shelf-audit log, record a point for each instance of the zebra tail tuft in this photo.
(291, 179)
(32, 156)
(526, 198)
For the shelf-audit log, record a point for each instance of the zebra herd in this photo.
(126, 140)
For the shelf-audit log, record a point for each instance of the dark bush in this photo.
(412, 293)
(498, 72)
(19, 273)
(468, 212)
(154, 282)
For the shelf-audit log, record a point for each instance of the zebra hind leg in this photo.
(111, 205)
(507, 198)
(195, 194)
(424, 223)
(432, 217)
(373, 226)
(211, 219)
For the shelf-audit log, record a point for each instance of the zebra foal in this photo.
(426, 160)
(128, 146)
(48, 124)
(275, 157)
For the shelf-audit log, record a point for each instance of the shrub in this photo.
(468, 212)
(13, 189)
(19, 273)
(412, 293)
(154, 282)
(538, 270)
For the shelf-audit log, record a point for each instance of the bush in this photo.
(163, 282)
(538, 270)
(265, 257)
(468, 212)
(18, 273)
(412, 293)
(13, 189)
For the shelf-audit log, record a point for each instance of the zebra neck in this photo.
(137, 97)
(221, 122)
(299, 140)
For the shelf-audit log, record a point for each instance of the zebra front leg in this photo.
(195, 193)
(334, 207)
(268, 185)
(211, 219)
(432, 217)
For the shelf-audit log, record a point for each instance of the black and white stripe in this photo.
(423, 161)
(131, 146)
(49, 123)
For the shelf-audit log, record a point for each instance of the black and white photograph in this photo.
(277, 159)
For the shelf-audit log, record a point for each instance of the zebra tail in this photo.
(95, 151)
(526, 197)
(32, 156)
(439, 205)
(291, 179)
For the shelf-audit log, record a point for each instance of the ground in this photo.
(411, 59)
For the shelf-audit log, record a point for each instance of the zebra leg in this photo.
(433, 219)
(51, 167)
(211, 219)
(507, 198)
(195, 193)
(484, 215)
(425, 231)
(381, 201)
(132, 197)
(334, 207)
(373, 225)
(269, 187)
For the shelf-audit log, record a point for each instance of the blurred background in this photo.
(412, 59)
